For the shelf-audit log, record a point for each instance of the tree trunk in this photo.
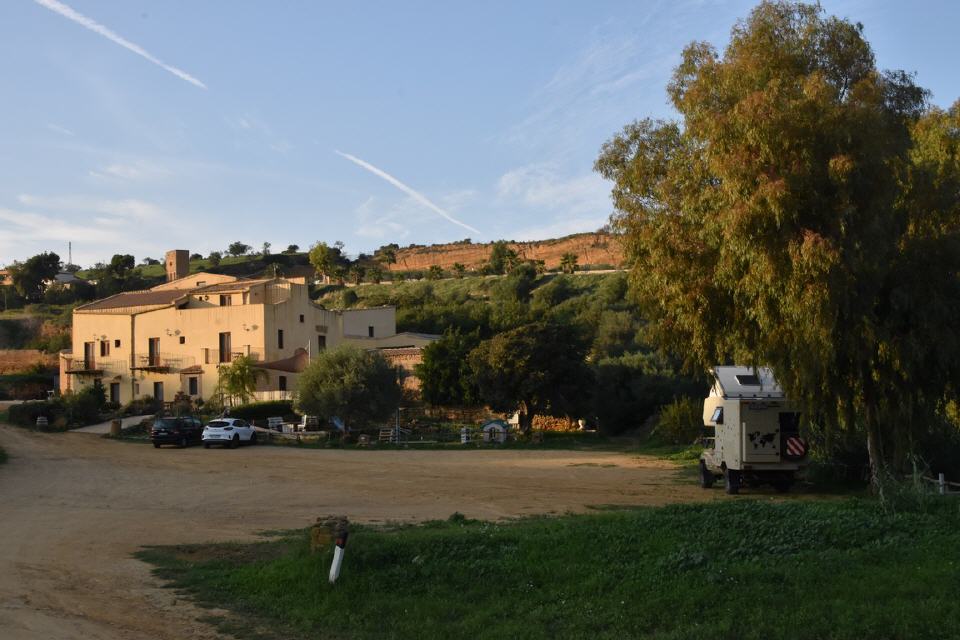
(875, 455)
(525, 418)
(874, 446)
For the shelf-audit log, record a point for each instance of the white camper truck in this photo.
(756, 436)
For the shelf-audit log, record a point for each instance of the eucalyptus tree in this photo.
(803, 213)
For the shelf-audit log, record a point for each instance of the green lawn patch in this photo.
(734, 569)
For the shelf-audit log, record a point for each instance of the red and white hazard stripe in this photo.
(796, 448)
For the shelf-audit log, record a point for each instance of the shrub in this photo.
(263, 410)
(680, 422)
(25, 386)
(141, 406)
(26, 413)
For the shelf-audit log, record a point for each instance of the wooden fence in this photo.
(944, 488)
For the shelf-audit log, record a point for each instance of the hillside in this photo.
(590, 248)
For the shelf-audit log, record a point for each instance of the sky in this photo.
(138, 126)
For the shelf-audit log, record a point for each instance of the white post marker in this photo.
(942, 481)
(340, 542)
(337, 561)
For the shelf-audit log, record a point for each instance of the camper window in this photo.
(748, 380)
(717, 416)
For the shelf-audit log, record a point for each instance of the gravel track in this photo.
(74, 507)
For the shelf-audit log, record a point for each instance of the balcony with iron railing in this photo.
(93, 366)
(161, 362)
(213, 355)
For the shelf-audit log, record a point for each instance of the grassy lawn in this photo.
(734, 569)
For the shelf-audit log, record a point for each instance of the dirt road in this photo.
(73, 507)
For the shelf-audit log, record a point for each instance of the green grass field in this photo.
(739, 568)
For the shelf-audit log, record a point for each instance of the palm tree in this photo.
(238, 380)
(568, 262)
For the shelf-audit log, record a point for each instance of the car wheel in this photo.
(732, 482)
(206, 445)
(235, 442)
(706, 476)
(184, 442)
(156, 445)
(253, 438)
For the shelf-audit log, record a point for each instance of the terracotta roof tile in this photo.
(134, 299)
(239, 285)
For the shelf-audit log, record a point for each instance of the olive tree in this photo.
(536, 369)
(350, 383)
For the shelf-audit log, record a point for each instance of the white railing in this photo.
(265, 396)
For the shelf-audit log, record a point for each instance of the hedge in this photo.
(264, 410)
(24, 386)
(25, 414)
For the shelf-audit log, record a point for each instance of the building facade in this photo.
(176, 336)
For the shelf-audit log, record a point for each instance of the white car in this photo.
(229, 432)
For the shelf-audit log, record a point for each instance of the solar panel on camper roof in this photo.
(748, 380)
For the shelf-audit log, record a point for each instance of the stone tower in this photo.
(177, 263)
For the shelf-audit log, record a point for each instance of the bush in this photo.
(262, 410)
(26, 413)
(143, 405)
(25, 386)
(680, 422)
(74, 409)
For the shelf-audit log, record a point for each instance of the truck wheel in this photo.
(706, 477)
(732, 482)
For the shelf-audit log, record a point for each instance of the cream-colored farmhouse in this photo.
(174, 337)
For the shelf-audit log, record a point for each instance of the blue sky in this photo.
(192, 124)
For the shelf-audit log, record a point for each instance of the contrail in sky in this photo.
(419, 197)
(96, 27)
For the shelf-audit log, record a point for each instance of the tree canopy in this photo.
(328, 261)
(445, 377)
(30, 276)
(803, 214)
(354, 385)
(536, 369)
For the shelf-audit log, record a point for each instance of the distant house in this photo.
(175, 336)
(66, 280)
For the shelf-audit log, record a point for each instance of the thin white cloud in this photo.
(128, 208)
(61, 130)
(131, 172)
(98, 228)
(91, 24)
(541, 187)
(253, 128)
(563, 204)
(419, 197)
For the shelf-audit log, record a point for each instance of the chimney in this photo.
(178, 264)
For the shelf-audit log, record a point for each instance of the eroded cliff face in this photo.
(590, 249)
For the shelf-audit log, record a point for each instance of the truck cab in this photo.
(754, 431)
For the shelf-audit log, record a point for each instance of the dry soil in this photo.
(75, 506)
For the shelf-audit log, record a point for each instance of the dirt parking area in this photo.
(74, 507)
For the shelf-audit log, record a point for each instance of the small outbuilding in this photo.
(495, 431)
